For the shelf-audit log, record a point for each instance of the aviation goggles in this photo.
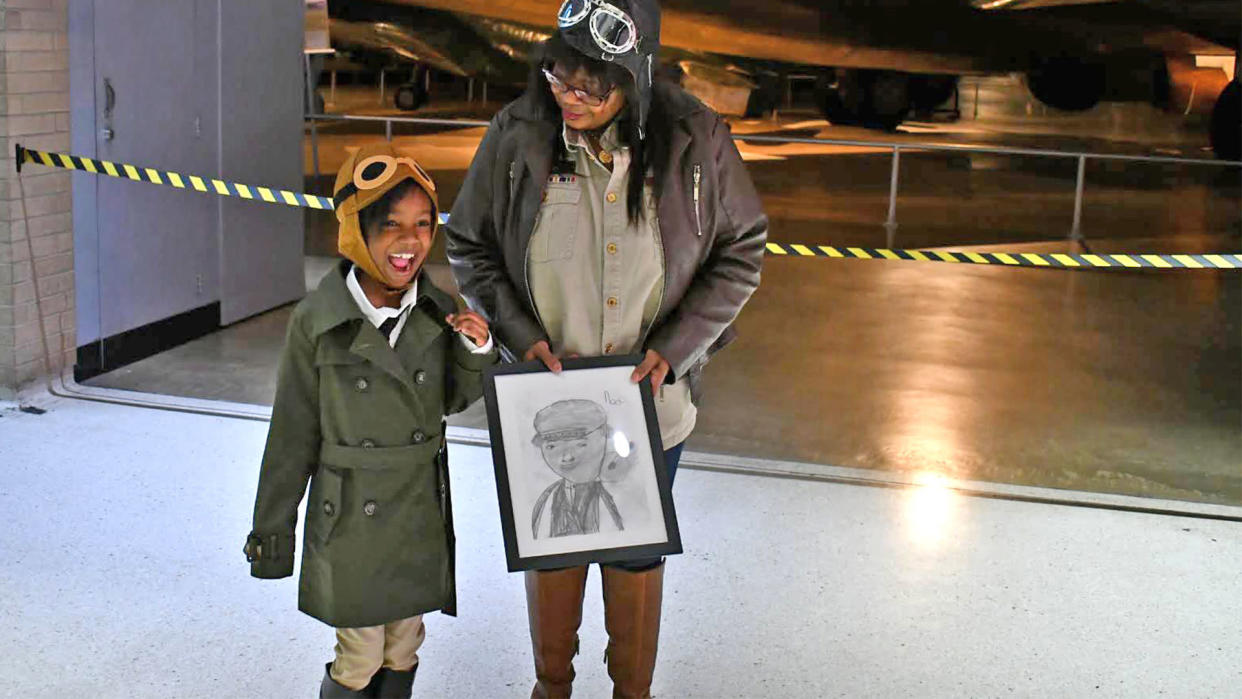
(590, 99)
(612, 29)
(376, 171)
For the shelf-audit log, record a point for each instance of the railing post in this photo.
(1076, 231)
(890, 226)
(388, 130)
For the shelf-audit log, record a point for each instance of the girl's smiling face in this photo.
(399, 243)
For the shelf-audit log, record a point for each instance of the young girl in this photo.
(373, 361)
(606, 214)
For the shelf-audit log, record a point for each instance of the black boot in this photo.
(331, 689)
(395, 685)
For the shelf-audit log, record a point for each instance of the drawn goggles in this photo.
(377, 171)
(612, 29)
(588, 98)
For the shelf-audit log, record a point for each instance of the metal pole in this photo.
(976, 99)
(484, 92)
(388, 129)
(333, 93)
(470, 92)
(381, 86)
(1076, 231)
(890, 226)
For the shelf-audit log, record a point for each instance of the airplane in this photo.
(878, 61)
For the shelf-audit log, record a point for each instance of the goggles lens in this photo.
(573, 12)
(613, 30)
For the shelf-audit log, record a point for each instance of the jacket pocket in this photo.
(556, 226)
(325, 505)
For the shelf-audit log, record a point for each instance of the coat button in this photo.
(420, 377)
(368, 444)
(361, 384)
(369, 508)
(419, 437)
(328, 508)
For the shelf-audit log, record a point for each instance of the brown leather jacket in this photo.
(712, 227)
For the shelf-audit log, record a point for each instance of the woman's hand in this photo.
(655, 365)
(471, 325)
(542, 352)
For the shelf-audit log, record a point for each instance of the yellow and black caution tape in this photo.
(1026, 259)
(211, 185)
(198, 183)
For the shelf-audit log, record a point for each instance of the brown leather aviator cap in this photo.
(367, 175)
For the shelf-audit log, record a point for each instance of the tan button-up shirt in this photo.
(597, 280)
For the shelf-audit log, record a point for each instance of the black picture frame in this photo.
(515, 559)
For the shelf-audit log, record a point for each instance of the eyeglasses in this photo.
(376, 171)
(612, 29)
(588, 98)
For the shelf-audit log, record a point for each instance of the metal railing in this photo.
(890, 224)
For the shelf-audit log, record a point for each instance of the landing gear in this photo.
(1068, 84)
(877, 99)
(410, 96)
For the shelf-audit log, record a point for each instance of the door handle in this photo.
(109, 98)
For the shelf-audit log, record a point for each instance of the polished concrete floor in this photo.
(121, 575)
(1126, 382)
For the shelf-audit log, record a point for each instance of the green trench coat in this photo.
(365, 424)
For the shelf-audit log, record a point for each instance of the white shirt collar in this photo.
(377, 316)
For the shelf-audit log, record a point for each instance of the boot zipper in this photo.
(698, 177)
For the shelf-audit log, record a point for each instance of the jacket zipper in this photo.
(698, 177)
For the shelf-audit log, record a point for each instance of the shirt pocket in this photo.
(556, 227)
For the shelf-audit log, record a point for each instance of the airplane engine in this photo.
(871, 98)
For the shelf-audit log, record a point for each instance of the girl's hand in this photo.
(542, 352)
(471, 325)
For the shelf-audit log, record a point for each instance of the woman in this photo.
(604, 214)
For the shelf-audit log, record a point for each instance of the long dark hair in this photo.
(558, 52)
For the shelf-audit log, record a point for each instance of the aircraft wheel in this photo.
(1227, 123)
(410, 97)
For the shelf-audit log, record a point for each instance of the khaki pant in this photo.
(360, 653)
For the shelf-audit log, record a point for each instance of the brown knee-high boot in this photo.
(554, 605)
(632, 617)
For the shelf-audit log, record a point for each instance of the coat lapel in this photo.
(370, 345)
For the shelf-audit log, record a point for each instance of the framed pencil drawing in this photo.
(580, 471)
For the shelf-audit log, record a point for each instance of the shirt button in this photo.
(613, 302)
(612, 197)
(608, 348)
(369, 508)
(328, 508)
(368, 444)
(361, 385)
(605, 157)
(420, 377)
(612, 248)
(419, 437)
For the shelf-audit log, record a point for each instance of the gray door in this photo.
(158, 247)
(261, 245)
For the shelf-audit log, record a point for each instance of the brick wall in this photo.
(34, 111)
